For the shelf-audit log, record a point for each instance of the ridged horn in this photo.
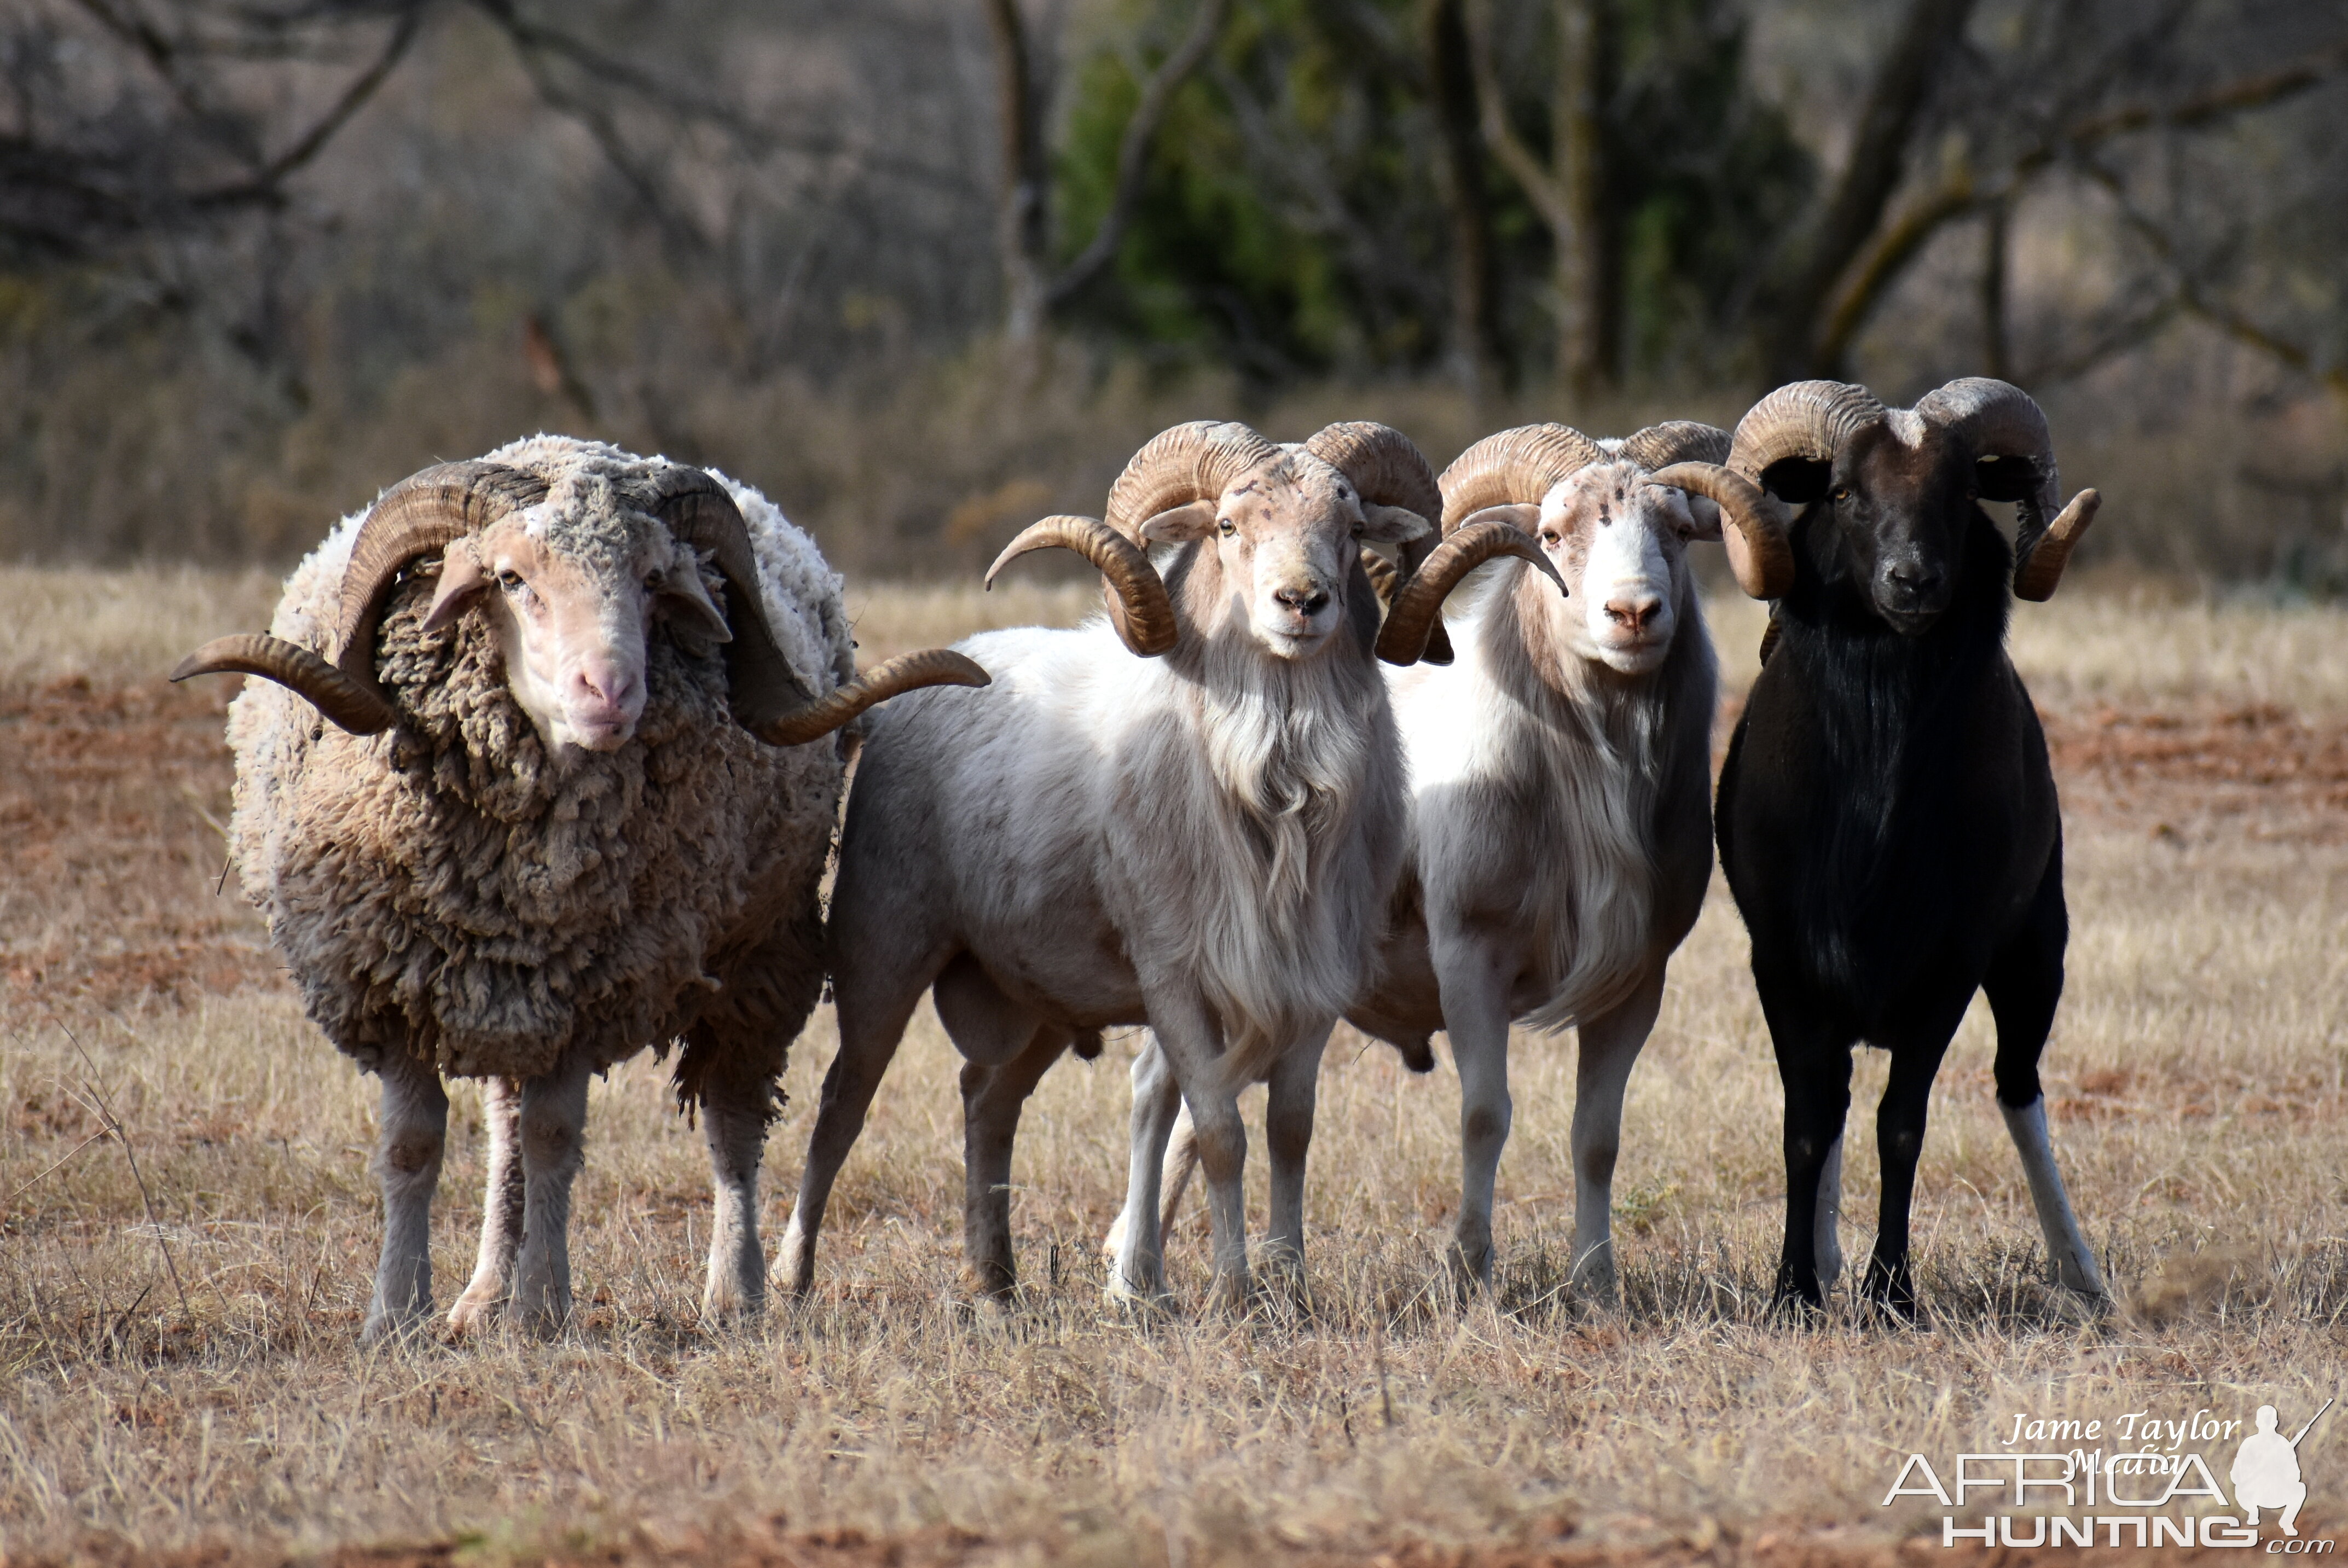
(1388, 469)
(761, 686)
(348, 704)
(1419, 606)
(1193, 462)
(1514, 467)
(423, 513)
(1802, 419)
(906, 672)
(1998, 419)
(1760, 552)
(1676, 441)
(1139, 605)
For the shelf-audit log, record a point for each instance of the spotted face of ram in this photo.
(1620, 546)
(1281, 546)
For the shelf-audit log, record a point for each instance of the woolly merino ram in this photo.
(1561, 823)
(551, 826)
(1203, 842)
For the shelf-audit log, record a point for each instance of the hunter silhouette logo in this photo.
(2266, 1472)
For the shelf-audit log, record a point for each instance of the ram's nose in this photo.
(1308, 600)
(605, 698)
(1634, 612)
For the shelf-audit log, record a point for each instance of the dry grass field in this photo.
(179, 1303)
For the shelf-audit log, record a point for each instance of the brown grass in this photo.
(2196, 1076)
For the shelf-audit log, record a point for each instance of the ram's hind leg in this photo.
(412, 1134)
(502, 1208)
(553, 1147)
(734, 1089)
(2024, 984)
(875, 1001)
(992, 1099)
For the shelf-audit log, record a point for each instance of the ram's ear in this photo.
(1393, 524)
(1705, 513)
(462, 575)
(693, 616)
(1180, 525)
(2005, 478)
(1797, 481)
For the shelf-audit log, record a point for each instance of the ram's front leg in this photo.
(1136, 1251)
(412, 1133)
(1193, 1039)
(1288, 1137)
(553, 1147)
(1611, 1043)
(1474, 975)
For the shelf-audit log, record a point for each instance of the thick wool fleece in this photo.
(443, 888)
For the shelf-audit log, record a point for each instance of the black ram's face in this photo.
(1898, 510)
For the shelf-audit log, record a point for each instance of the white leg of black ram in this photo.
(1828, 1243)
(2075, 1260)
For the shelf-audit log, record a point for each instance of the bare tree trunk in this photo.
(1588, 271)
(1996, 359)
(1927, 34)
(1023, 221)
(1031, 287)
(1570, 189)
(1477, 361)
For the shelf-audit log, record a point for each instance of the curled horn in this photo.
(350, 705)
(1999, 419)
(906, 672)
(1514, 467)
(1390, 470)
(1176, 468)
(1809, 419)
(769, 698)
(1803, 419)
(1193, 462)
(1418, 607)
(760, 683)
(1760, 553)
(1139, 604)
(423, 513)
(1676, 441)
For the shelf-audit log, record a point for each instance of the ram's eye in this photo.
(1226, 528)
(510, 580)
(653, 581)
(1842, 493)
(1549, 535)
(1359, 529)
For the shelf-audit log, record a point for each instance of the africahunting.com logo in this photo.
(2139, 1480)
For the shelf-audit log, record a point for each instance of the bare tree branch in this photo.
(2191, 296)
(265, 182)
(1879, 162)
(1133, 151)
(1888, 255)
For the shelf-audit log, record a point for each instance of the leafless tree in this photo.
(1033, 286)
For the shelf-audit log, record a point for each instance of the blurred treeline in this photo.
(925, 269)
